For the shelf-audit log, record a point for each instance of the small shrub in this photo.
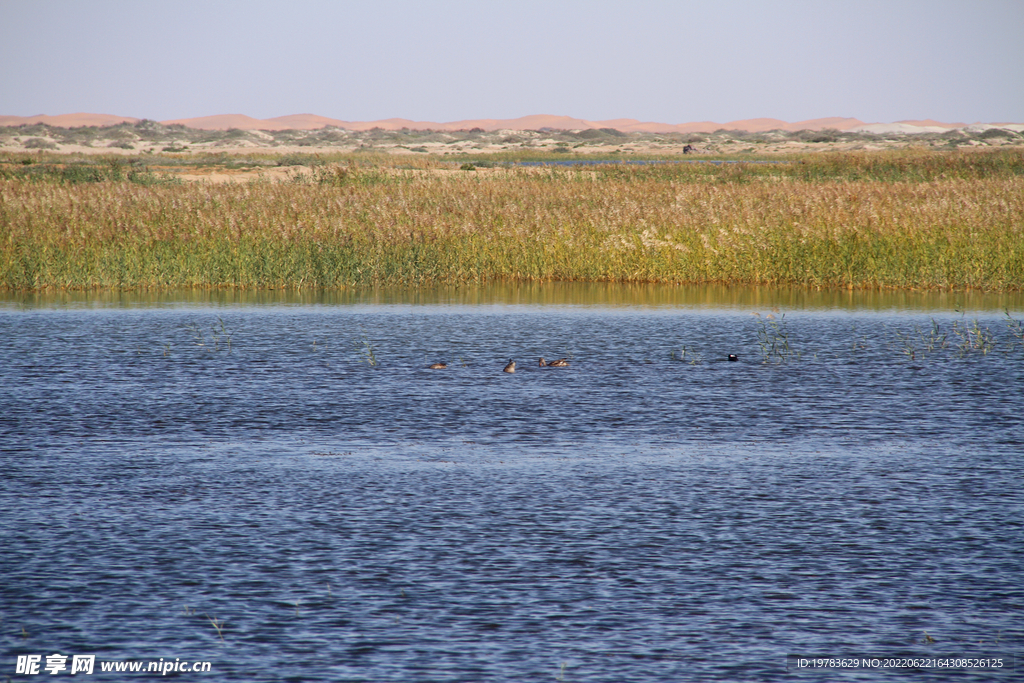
(88, 174)
(300, 160)
(141, 177)
(38, 143)
(328, 135)
(827, 135)
(121, 132)
(598, 134)
(122, 144)
(333, 175)
(993, 133)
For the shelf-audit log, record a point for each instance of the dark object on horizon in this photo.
(438, 366)
(689, 149)
(733, 356)
(511, 367)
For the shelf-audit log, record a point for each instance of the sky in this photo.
(669, 62)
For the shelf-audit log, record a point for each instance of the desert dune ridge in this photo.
(534, 122)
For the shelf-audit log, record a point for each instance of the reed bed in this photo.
(825, 223)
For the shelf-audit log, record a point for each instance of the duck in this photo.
(733, 357)
(437, 366)
(560, 363)
(511, 367)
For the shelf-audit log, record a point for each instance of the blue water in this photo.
(296, 473)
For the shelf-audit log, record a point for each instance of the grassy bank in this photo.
(904, 220)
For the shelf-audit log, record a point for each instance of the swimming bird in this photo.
(511, 367)
(560, 363)
(437, 366)
(733, 356)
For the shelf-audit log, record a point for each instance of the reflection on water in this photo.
(550, 293)
(653, 512)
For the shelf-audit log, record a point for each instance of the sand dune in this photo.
(228, 121)
(534, 122)
(306, 122)
(905, 128)
(930, 123)
(68, 120)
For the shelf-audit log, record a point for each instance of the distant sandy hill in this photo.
(929, 123)
(306, 122)
(536, 122)
(68, 120)
(228, 121)
(762, 125)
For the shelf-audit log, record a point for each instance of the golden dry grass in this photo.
(805, 225)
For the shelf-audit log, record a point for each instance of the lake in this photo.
(275, 483)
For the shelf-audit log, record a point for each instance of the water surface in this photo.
(286, 463)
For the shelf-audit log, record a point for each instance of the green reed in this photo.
(922, 341)
(367, 349)
(688, 355)
(1016, 327)
(773, 339)
(219, 337)
(973, 337)
(217, 625)
(341, 224)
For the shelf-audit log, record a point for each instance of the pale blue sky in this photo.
(671, 62)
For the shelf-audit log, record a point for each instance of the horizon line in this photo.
(308, 121)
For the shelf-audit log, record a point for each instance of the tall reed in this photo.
(739, 224)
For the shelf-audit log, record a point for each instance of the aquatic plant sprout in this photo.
(773, 339)
(367, 349)
(1015, 326)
